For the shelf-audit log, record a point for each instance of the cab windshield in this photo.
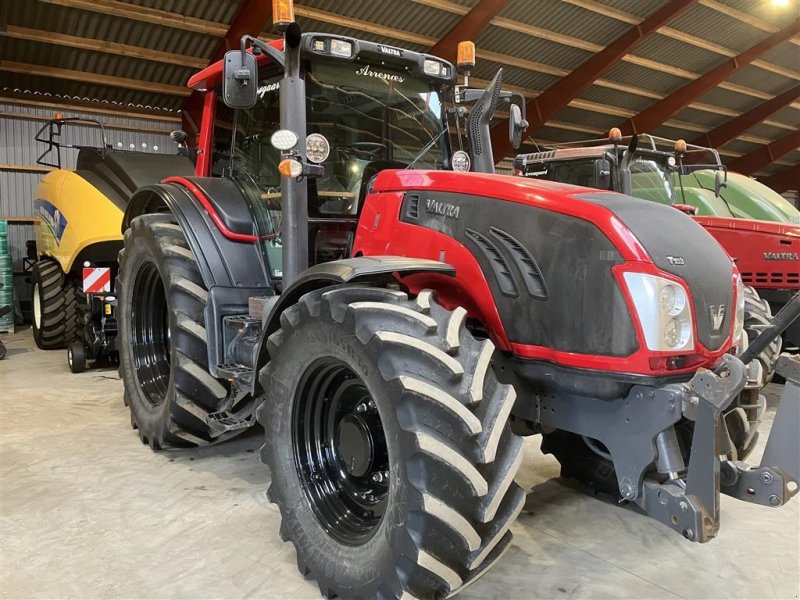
(373, 117)
(651, 180)
(367, 114)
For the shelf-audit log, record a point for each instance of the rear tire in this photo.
(55, 318)
(76, 357)
(427, 464)
(757, 315)
(162, 347)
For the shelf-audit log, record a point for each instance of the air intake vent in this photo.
(412, 207)
(505, 279)
(531, 273)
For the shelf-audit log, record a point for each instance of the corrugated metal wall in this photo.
(18, 148)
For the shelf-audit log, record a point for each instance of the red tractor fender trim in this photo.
(212, 212)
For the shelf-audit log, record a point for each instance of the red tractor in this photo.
(396, 323)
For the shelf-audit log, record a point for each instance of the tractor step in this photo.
(235, 372)
(224, 422)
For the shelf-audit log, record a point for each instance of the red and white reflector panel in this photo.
(96, 280)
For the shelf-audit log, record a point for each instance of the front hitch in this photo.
(690, 505)
(775, 481)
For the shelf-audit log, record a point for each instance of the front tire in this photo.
(388, 441)
(757, 315)
(55, 318)
(162, 348)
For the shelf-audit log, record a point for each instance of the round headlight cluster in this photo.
(677, 332)
(317, 148)
(460, 161)
(672, 302)
(672, 299)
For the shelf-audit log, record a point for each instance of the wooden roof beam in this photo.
(94, 78)
(573, 42)
(761, 157)
(468, 28)
(128, 51)
(654, 116)
(143, 14)
(744, 17)
(783, 180)
(544, 106)
(729, 130)
(93, 108)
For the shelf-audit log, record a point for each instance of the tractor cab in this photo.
(368, 107)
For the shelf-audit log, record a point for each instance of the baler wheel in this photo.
(55, 318)
(162, 339)
(388, 441)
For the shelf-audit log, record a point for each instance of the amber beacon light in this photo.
(282, 13)
(466, 56)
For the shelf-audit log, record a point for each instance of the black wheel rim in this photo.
(150, 334)
(340, 451)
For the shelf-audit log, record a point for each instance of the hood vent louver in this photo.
(500, 267)
(531, 274)
(412, 207)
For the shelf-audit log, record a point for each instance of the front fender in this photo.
(363, 269)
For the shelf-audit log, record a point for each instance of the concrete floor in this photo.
(88, 512)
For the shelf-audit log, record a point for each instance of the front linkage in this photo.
(639, 430)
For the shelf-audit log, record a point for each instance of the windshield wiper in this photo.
(427, 147)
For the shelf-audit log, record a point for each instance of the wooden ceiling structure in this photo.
(724, 73)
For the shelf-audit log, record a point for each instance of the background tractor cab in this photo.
(643, 166)
(741, 197)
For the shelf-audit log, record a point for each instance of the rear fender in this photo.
(232, 271)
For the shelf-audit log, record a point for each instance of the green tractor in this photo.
(741, 197)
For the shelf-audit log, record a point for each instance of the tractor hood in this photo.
(566, 227)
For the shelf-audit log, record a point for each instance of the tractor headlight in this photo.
(739, 335)
(317, 148)
(341, 48)
(664, 312)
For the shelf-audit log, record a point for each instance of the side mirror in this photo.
(720, 181)
(516, 126)
(602, 173)
(239, 79)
